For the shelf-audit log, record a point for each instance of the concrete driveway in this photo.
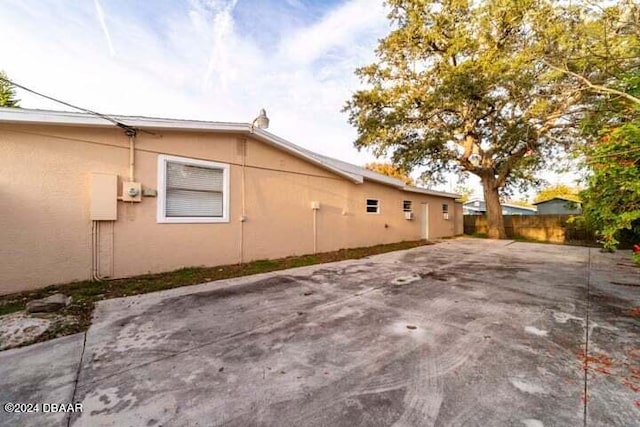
(465, 332)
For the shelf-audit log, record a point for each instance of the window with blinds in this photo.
(192, 190)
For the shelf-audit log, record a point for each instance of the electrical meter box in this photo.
(131, 192)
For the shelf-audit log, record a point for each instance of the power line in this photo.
(614, 154)
(129, 130)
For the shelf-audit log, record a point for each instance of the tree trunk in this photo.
(495, 222)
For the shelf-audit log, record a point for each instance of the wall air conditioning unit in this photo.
(408, 215)
(445, 215)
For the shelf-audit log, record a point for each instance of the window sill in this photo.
(187, 220)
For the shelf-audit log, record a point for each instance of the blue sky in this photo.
(219, 60)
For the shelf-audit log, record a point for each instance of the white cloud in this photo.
(337, 30)
(194, 60)
(195, 63)
(103, 25)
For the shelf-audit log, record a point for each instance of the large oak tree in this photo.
(462, 86)
(390, 170)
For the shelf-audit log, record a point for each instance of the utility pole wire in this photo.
(614, 154)
(129, 130)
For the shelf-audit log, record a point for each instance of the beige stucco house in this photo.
(82, 199)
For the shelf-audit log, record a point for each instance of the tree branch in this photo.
(595, 87)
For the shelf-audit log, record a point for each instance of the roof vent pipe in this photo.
(262, 121)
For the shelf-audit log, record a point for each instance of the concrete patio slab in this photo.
(40, 373)
(614, 344)
(465, 332)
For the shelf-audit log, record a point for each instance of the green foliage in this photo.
(599, 47)
(7, 93)
(442, 92)
(603, 59)
(558, 190)
(461, 86)
(390, 170)
(465, 193)
(612, 200)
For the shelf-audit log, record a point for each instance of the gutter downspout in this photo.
(132, 159)
(315, 231)
(244, 204)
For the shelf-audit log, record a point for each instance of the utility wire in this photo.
(614, 154)
(129, 130)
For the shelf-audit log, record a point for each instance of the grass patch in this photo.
(9, 307)
(85, 294)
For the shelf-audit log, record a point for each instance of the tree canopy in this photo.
(390, 170)
(7, 93)
(600, 47)
(603, 59)
(612, 198)
(464, 191)
(462, 86)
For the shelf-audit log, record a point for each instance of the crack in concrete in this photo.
(586, 342)
(75, 384)
(266, 326)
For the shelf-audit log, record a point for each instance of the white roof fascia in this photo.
(19, 115)
(349, 171)
(430, 192)
(566, 199)
(509, 205)
(473, 200)
(287, 146)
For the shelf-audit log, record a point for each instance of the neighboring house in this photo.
(478, 207)
(80, 199)
(559, 206)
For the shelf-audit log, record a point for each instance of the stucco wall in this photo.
(45, 232)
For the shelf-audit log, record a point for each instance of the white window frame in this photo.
(410, 206)
(366, 206)
(445, 211)
(162, 190)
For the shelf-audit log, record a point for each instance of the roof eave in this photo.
(430, 192)
(284, 145)
(62, 118)
(557, 198)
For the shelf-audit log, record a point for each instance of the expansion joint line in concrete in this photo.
(585, 363)
(75, 384)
